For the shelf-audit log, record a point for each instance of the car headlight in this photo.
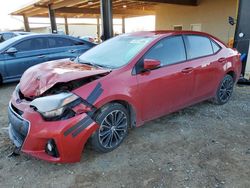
(54, 105)
(53, 113)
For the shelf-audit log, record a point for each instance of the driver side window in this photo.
(32, 44)
(168, 51)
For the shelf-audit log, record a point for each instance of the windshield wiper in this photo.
(92, 64)
(86, 63)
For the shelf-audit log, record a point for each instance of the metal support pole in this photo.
(123, 25)
(66, 26)
(52, 20)
(107, 19)
(242, 35)
(26, 23)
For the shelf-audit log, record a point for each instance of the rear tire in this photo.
(225, 90)
(114, 121)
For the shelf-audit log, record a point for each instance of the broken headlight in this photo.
(53, 113)
(55, 106)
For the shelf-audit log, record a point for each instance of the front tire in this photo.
(225, 90)
(114, 121)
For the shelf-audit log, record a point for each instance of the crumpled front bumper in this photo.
(29, 131)
(18, 127)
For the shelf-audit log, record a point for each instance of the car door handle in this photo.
(187, 70)
(41, 56)
(222, 60)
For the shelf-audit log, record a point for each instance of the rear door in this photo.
(30, 52)
(203, 56)
(61, 48)
(171, 86)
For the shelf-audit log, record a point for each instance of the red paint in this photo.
(151, 94)
(150, 64)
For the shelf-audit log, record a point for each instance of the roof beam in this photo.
(180, 2)
(70, 10)
(66, 4)
(37, 12)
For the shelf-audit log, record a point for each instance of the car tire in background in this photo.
(225, 90)
(114, 121)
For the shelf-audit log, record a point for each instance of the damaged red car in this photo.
(120, 84)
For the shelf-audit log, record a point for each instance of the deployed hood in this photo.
(40, 78)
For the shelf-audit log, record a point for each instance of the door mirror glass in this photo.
(11, 51)
(150, 64)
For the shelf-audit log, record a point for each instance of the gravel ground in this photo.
(201, 146)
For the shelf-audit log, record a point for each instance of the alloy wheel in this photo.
(226, 89)
(113, 129)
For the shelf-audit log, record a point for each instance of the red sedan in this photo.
(120, 84)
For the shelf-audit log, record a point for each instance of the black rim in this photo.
(226, 89)
(113, 129)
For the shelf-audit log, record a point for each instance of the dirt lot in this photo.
(201, 146)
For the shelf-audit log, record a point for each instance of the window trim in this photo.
(136, 70)
(209, 38)
(212, 41)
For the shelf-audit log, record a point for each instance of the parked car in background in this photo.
(8, 35)
(21, 52)
(88, 38)
(121, 83)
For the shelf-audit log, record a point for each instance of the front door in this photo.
(29, 53)
(169, 87)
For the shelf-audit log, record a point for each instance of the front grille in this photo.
(18, 128)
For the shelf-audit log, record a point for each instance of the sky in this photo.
(8, 22)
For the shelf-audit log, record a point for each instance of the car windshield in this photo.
(115, 52)
(7, 43)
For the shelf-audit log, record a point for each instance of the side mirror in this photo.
(150, 64)
(11, 51)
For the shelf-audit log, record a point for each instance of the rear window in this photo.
(61, 42)
(198, 46)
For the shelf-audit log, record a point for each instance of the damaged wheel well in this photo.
(128, 106)
(232, 73)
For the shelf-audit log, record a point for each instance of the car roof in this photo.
(164, 33)
(15, 32)
(35, 35)
(23, 32)
(5, 32)
(6, 43)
